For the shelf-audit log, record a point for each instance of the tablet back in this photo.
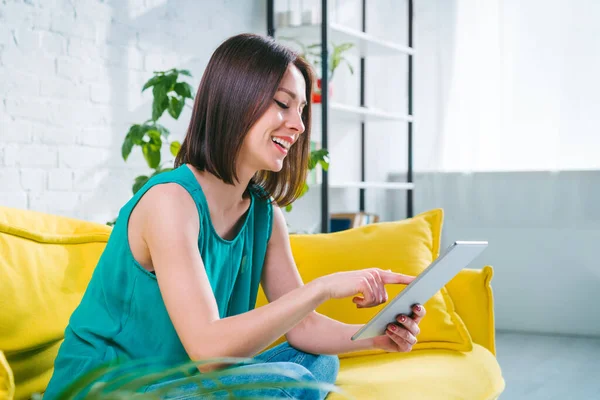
(458, 256)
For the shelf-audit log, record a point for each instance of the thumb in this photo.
(393, 277)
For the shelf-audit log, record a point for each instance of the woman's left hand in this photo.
(401, 336)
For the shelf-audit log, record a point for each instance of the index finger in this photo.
(393, 277)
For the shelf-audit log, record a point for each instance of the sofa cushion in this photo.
(7, 382)
(422, 374)
(47, 261)
(408, 246)
(471, 292)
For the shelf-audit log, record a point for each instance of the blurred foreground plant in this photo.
(129, 380)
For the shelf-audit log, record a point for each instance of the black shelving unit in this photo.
(325, 104)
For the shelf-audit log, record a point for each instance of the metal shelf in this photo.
(360, 114)
(374, 185)
(365, 44)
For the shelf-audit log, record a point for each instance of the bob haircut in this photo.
(237, 88)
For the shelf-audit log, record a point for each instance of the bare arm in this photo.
(316, 333)
(172, 239)
(319, 334)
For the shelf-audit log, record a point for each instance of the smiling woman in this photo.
(182, 283)
(253, 92)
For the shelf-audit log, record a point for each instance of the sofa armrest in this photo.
(471, 292)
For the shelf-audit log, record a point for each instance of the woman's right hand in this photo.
(370, 283)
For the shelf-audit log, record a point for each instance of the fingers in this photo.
(372, 289)
(392, 277)
(405, 335)
(380, 286)
(402, 337)
(368, 292)
(418, 313)
(409, 324)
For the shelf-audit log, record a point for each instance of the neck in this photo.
(224, 195)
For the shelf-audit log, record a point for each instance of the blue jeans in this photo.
(306, 367)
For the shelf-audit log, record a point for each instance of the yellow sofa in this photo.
(47, 260)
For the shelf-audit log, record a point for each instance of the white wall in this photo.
(507, 143)
(507, 85)
(71, 76)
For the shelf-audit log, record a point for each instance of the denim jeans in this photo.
(304, 366)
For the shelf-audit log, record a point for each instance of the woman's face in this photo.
(267, 144)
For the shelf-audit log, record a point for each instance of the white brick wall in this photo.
(71, 75)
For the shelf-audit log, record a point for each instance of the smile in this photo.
(285, 144)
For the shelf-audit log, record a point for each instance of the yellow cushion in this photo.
(7, 382)
(471, 292)
(46, 263)
(422, 374)
(407, 246)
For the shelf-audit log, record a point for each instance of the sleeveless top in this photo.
(122, 314)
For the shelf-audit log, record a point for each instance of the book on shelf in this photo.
(343, 221)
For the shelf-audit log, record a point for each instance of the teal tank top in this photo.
(122, 314)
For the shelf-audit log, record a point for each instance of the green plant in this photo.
(316, 157)
(169, 95)
(312, 54)
(126, 380)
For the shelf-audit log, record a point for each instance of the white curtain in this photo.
(515, 85)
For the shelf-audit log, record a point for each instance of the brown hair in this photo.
(236, 89)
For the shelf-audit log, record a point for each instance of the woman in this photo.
(179, 276)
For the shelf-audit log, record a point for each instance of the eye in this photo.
(280, 104)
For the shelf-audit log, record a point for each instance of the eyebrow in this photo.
(292, 94)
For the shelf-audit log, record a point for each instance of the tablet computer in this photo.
(423, 287)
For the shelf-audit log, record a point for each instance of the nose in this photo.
(294, 122)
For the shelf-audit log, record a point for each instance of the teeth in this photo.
(282, 142)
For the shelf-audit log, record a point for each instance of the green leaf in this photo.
(151, 149)
(155, 137)
(335, 62)
(349, 66)
(80, 384)
(152, 81)
(175, 146)
(151, 155)
(163, 131)
(139, 182)
(133, 137)
(127, 147)
(183, 89)
(137, 133)
(169, 81)
(175, 107)
(161, 101)
(321, 157)
(343, 47)
(127, 380)
(304, 189)
(184, 72)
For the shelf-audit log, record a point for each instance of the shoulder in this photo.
(169, 205)
(168, 194)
